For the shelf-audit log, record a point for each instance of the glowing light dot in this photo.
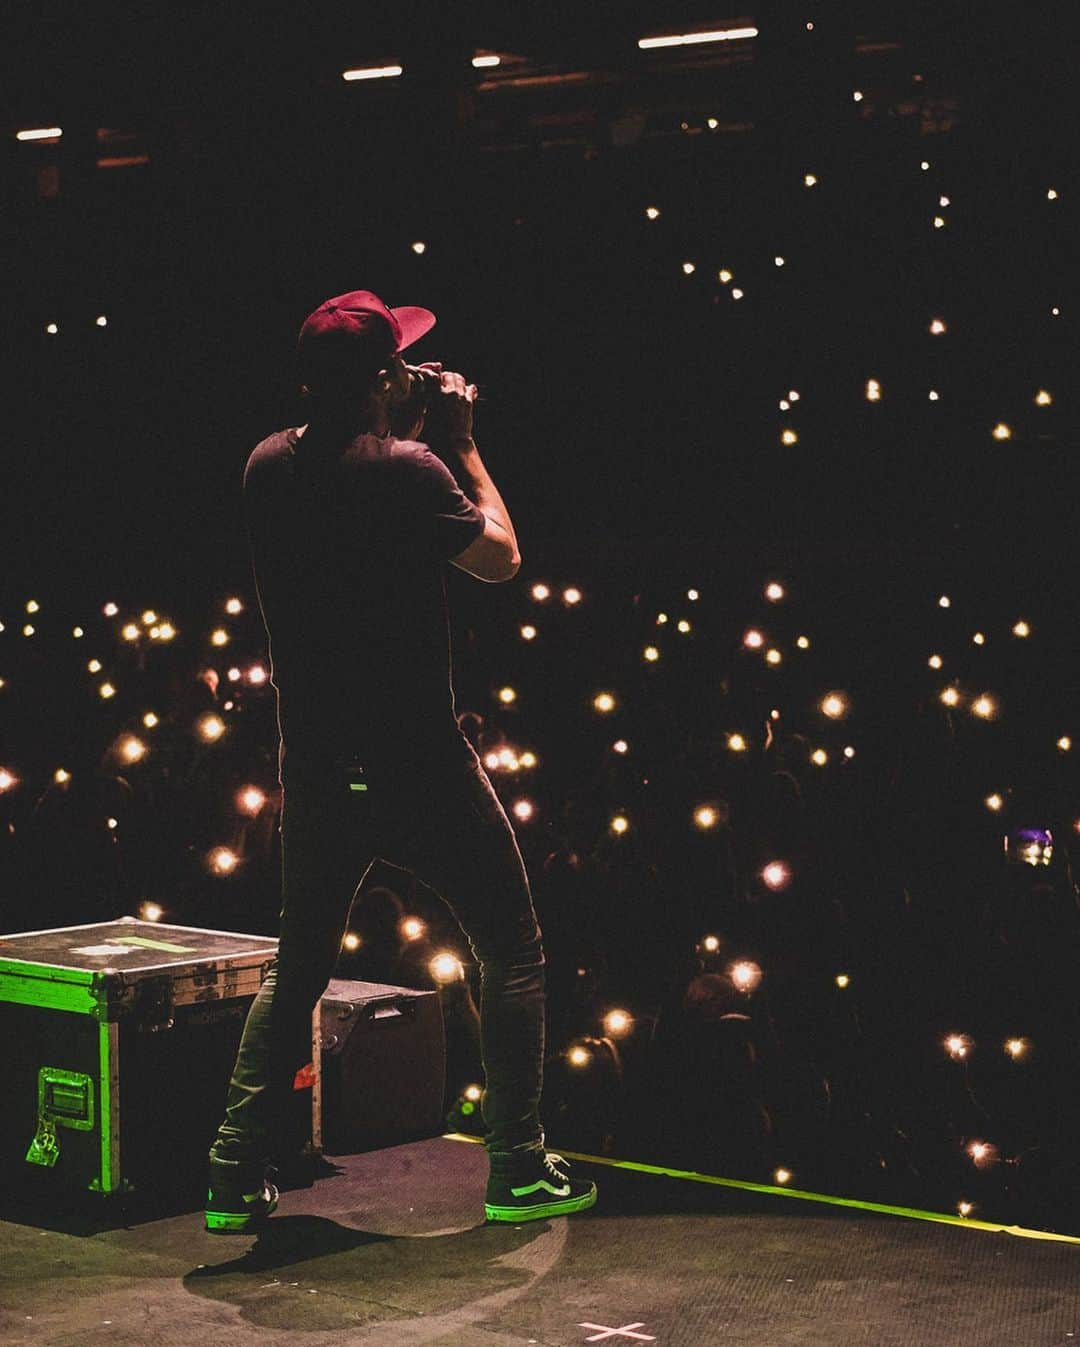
(1055, 311)
(661, 618)
(939, 222)
(571, 596)
(6, 779)
(724, 276)
(528, 758)
(793, 394)
(933, 395)
(522, 809)
(150, 912)
(785, 406)
(1002, 432)
(944, 601)
(233, 606)
(753, 639)
(210, 727)
(620, 746)
(834, 706)
(1051, 195)
(540, 592)
(819, 757)
(937, 326)
(842, 980)
(782, 1175)
(958, 1045)
(251, 800)
(773, 656)
(528, 633)
(711, 943)
(256, 675)
(604, 701)
(683, 625)
(28, 630)
(736, 743)
(651, 653)
(778, 261)
(950, 696)
(688, 268)
(935, 661)
(619, 823)
(1015, 1047)
(857, 96)
(1021, 629)
(925, 165)
(736, 294)
(107, 690)
(810, 180)
(419, 247)
(849, 752)
(774, 591)
(789, 437)
(803, 642)
(994, 802)
(350, 940)
(412, 928)
(776, 875)
(705, 817)
(978, 639)
(873, 390)
(94, 666)
(1043, 398)
(1064, 743)
(579, 1056)
(745, 975)
(652, 212)
(507, 695)
(445, 967)
(618, 1023)
(964, 1208)
(132, 749)
(52, 329)
(77, 632)
(60, 776)
(693, 595)
(130, 632)
(223, 861)
(985, 707)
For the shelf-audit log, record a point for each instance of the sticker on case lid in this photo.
(101, 949)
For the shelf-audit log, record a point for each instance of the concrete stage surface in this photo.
(392, 1250)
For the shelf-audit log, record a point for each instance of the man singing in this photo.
(350, 521)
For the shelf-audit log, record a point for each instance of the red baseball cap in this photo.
(357, 331)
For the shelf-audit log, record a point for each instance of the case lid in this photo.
(80, 967)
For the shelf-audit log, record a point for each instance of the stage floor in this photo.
(394, 1251)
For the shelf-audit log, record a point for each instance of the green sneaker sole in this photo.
(541, 1209)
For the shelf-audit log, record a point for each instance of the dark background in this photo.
(623, 402)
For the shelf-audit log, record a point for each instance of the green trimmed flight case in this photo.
(118, 1040)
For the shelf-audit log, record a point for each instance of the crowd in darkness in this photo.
(899, 884)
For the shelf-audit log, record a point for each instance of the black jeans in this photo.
(444, 823)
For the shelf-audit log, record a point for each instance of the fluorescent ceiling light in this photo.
(372, 73)
(688, 39)
(40, 133)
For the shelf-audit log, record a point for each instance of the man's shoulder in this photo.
(271, 449)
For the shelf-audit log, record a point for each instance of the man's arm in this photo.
(479, 487)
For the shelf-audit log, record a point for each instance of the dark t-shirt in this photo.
(348, 544)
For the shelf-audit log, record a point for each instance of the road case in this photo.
(118, 1040)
